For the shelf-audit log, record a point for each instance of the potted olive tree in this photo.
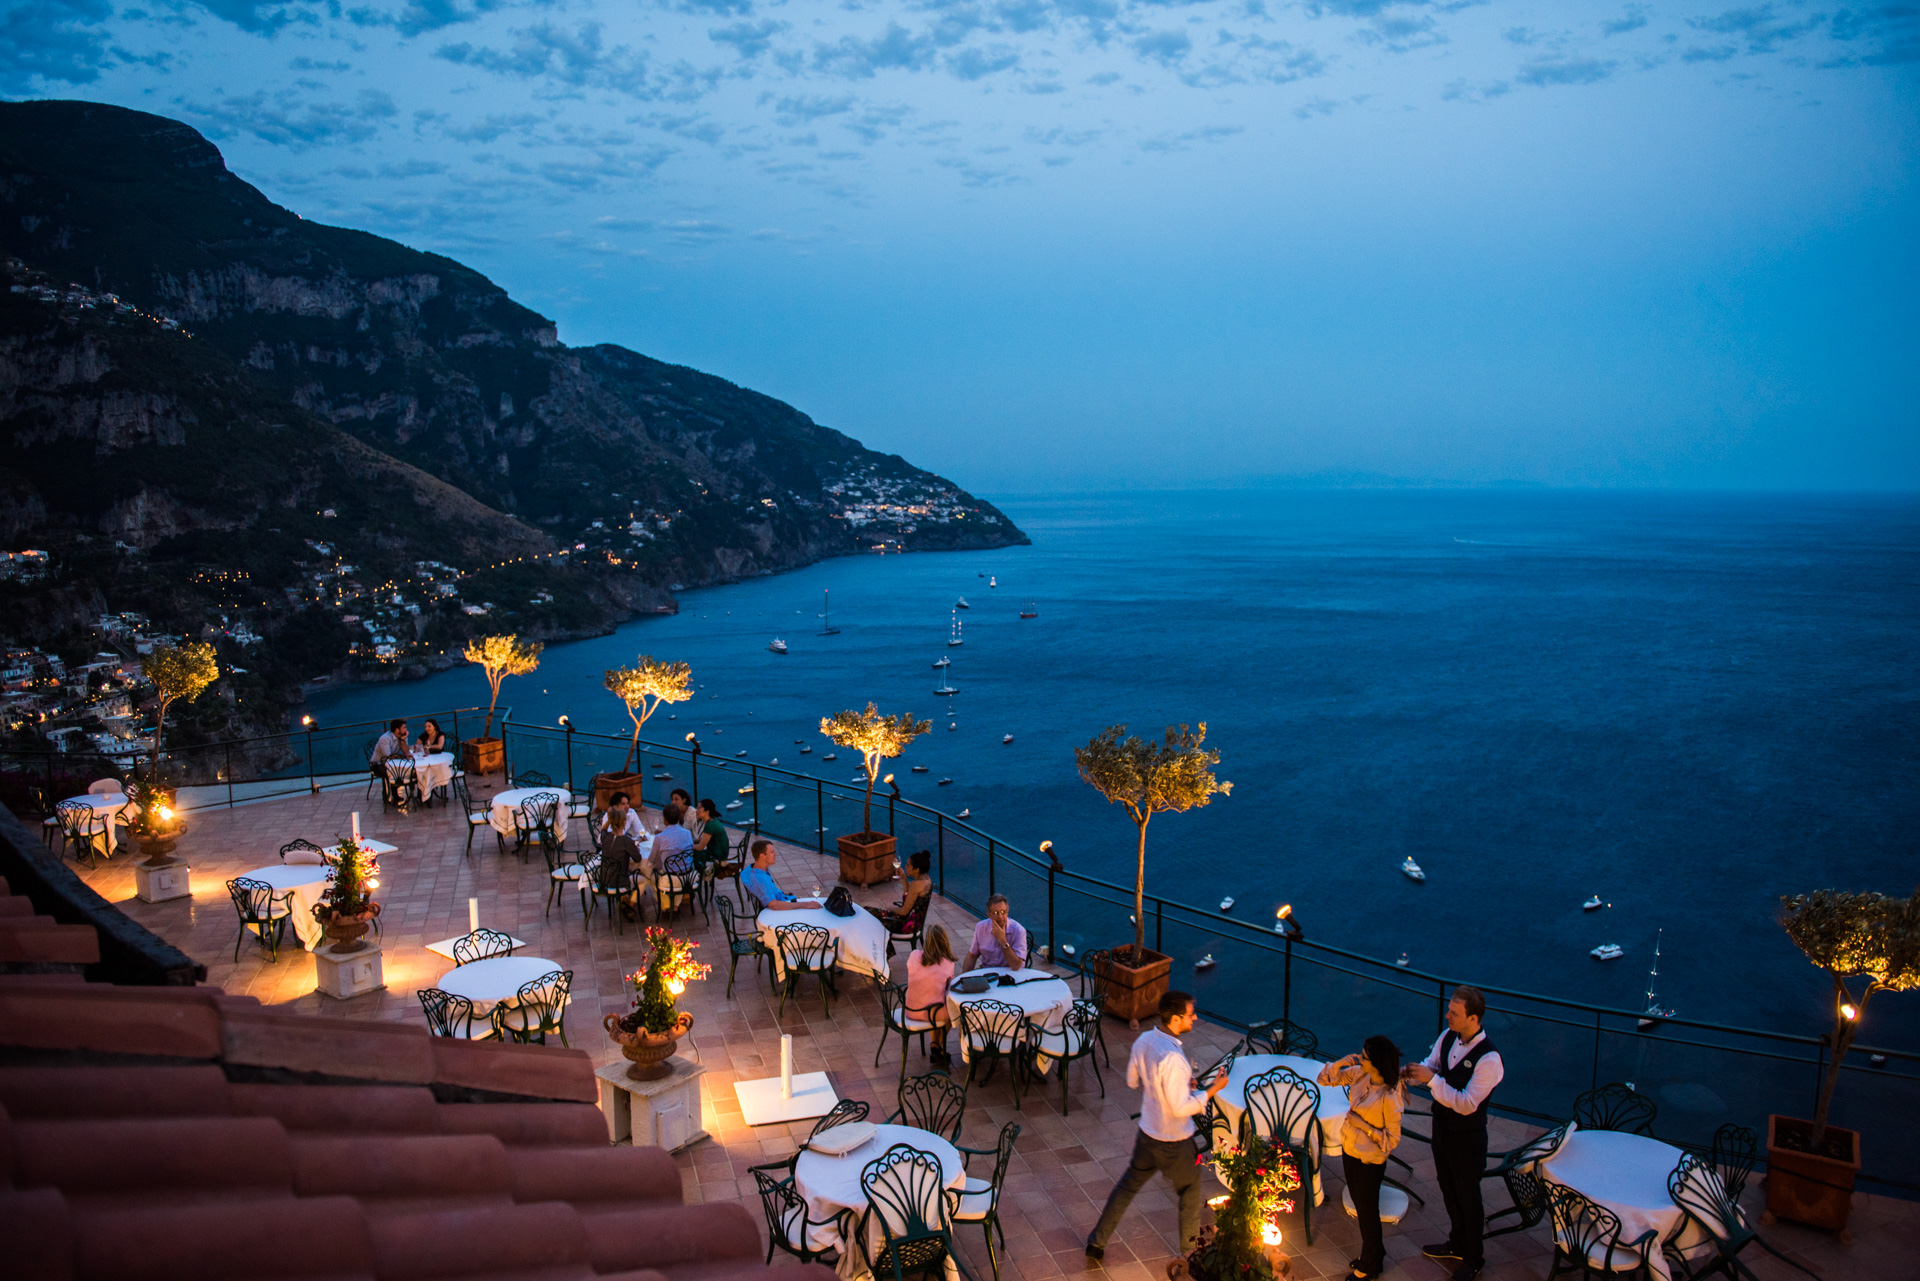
(866, 857)
(177, 672)
(1811, 1164)
(643, 687)
(1146, 778)
(499, 657)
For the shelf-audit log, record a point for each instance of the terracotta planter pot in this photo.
(347, 933)
(1806, 1188)
(483, 755)
(866, 858)
(1134, 991)
(605, 785)
(159, 849)
(648, 1051)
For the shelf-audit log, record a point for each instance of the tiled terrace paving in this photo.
(1062, 1168)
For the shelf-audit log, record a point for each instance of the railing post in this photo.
(640, 771)
(506, 749)
(569, 756)
(754, 773)
(1440, 1012)
(820, 815)
(229, 775)
(1053, 953)
(1286, 985)
(941, 824)
(1596, 1051)
(456, 724)
(693, 758)
(991, 864)
(1159, 925)
(312, 786)
(890, 802)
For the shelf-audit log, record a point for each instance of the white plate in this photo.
(842, 1139)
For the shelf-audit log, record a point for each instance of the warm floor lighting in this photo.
(675, 986)
(1270, 1234)
(1214, 1203)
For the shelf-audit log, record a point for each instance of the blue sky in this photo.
(1038, 244)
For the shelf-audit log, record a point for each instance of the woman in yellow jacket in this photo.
(1376, 1096)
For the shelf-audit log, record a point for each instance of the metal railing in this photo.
(1701, 1074)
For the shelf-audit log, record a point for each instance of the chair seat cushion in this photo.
(568, 872)
(1067, 1043)
(912, 1024)
(974, 1206)
(1623, 1260)
(820, 1236)
(1393, 1203)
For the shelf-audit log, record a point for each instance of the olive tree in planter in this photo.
(177, 672)
(1146, 778)
(1811, 1164)
(642, 687)
(866, 857)
(499, 657)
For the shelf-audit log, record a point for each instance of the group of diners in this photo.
(633, 857)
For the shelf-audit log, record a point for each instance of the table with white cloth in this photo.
(1046, 999)
(862, 936)
(304, 883)
(432, 771)
(830, 1184)
(1232, 1102)
(495, 981)
(106, 808)
(504, 808)
(1626, 1173)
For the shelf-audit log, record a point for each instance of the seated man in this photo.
(390, 744)
(621, 819)
(758, 881)
(673, 838)
(997, 940)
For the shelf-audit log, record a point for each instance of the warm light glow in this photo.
(1849, 1011)
(1286, 910)
(1270, 1235)
(164, 813)
(306, 720)
(675, 986)
(1214, 1203)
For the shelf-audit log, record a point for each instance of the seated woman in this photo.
(929, 970)
(915, 896)
(431, 740)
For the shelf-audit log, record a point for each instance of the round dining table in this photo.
(495, 980)
(432, 772)
(1627, 1174)
(504, 808)
(106, 807)
(1232, 1103)
(1044, 997)
(830, 1184)
(304, 883)
(862, 937)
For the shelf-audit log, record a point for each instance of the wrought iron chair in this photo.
(609, 878)
(911, 928)
(907, 1208)
(932, 1103)
(262, 910)
(376, 770)
(560, 872)
(1735, 1148)
(302, 852)
(993, 1030)
(1615, 1107)
(531, 778)
(790, 1229)
(739, 945)
(842, 1113)
(979, 1201)
(480, 945)
(478, 816)
(1093, 990)
(1519, 1170)
(1707, 1200)
(808, 949)
(540, 1008)
(898, 1019)
(1284, 1108)
(1280, 1036)
(81, 825)
(1586, 1238)
(450, 1015)
(399, 784)
(533, 821)
(1078, 1038)
(678, 886)
(50, 827)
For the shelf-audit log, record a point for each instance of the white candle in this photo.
(786, 1065)
(356, 827)
(473, 914)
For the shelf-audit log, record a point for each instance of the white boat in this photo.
(1590, 904)
(1068, 948)
(826, 613)
(953, 724)
(964, 814)
(943, 782)
(962, 604)
(946, 688)
(1402, 962)
(778, 646)
(1006, 738)
(919, 769)
(1226, 904)
(954, 638)
(1412, 869)
(774, 761)
(782, 805)
(1205, 963)
(993, 582)
(830, 756)
(1607, 952)
(741, 752)
(944, 661)
(663, 778)
(734, 805)
(805, 751)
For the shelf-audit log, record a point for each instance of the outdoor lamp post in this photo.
(566, 723)
(695, 758)
(1053, 869)
(1289, 929)
(312, 784)
(891, 800)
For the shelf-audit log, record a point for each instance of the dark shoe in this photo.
(1444, 1250)
(1096, 1252)
(1467, 1271)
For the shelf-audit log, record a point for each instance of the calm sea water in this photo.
(1688, 704)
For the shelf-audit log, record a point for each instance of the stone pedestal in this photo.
(663, 1113)
(344, 976)
(158, 884)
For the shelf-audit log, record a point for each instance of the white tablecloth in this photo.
(831, 1184)
(495, 980)
(1626, 1173)
(107, 808)
(505, 805)
(863, 939)
(1045, 1002)
(432, 771)
(307, 881)
(1233, 1102)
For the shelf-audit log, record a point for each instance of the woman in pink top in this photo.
(929, 970)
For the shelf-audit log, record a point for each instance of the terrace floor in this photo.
(1063, 1166)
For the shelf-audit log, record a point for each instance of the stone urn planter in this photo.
(346, 932)
(866, 858)
(1134, 991)
(483, 755)
(648, 1052)
(1808, 1187)
(605, 785)
(159, 849)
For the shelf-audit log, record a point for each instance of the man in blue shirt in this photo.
(758, 881)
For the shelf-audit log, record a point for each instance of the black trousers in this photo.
(1153, 1156)
(1459, 1159)
(1363, 1183)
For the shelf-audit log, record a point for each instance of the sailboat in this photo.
(1654, 1012)
(1029, 611)
(944, 661)
(826, 614)
(945, 687)
(962, 604)
(955, 638)
(993, 582)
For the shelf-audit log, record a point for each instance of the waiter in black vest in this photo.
(1461, 1072)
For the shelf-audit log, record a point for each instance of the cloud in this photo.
(1634, 19)
(1719, 53)
(420, 16)
(1564, 71)
(1316, 107)
(977, 64)
(1891, 32)
(578, 58)
(1462, 91)
(283, 119)
(259, 16)
(1401, 32)
(799, 110)
(1185, 141)
(895, 49)
(1760, 27)
(749, 39)
(52, 40)
(1164, 47)
(490, 128)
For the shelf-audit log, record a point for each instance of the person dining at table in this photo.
(758, 881)
(431, 740)
(390, 744)
(682, 798)
(710, 842)
(673, 837)
(998, 940)
(1376, 1098)
(929, 970)
(621, 819)
(914, 895)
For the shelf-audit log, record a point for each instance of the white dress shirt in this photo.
(390, 744)
(1487, 1073)
(1158, 1068)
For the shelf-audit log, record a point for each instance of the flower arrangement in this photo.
(1244, 1243)
(346, 906)
(663, 978)
(152, 821)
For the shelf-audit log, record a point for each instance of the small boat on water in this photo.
(774, 761)
(1006, 738)
(993, 582)
(1205, 963)
(734, 805)
(782, 805)
(1607, 952)
(964, 814)
(1028, 611)
(919, 769)
(663, 778)
(741, 752)
(943, 782)
(826, 613)
(1226, 904)
(830, 756)
(778, 646)
(805, 751)
(1590, 904)
(1412, 869)
(953, 724)
(1402, 962)
(1654, 1011)
(944, 661)
(1068, 948)
(946, 688)
(962, 604)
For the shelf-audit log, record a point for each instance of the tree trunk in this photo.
(1140, 896)
(634, 746)
(159, 725)
(486, 731)
(866, 811)
(1844, 1030)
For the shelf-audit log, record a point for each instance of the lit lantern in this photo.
(1270, 1234)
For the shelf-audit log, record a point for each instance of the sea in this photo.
(1688, 704)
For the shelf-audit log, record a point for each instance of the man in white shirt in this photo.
(1158, 1068)
(390, 744)
(1460, 1072)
